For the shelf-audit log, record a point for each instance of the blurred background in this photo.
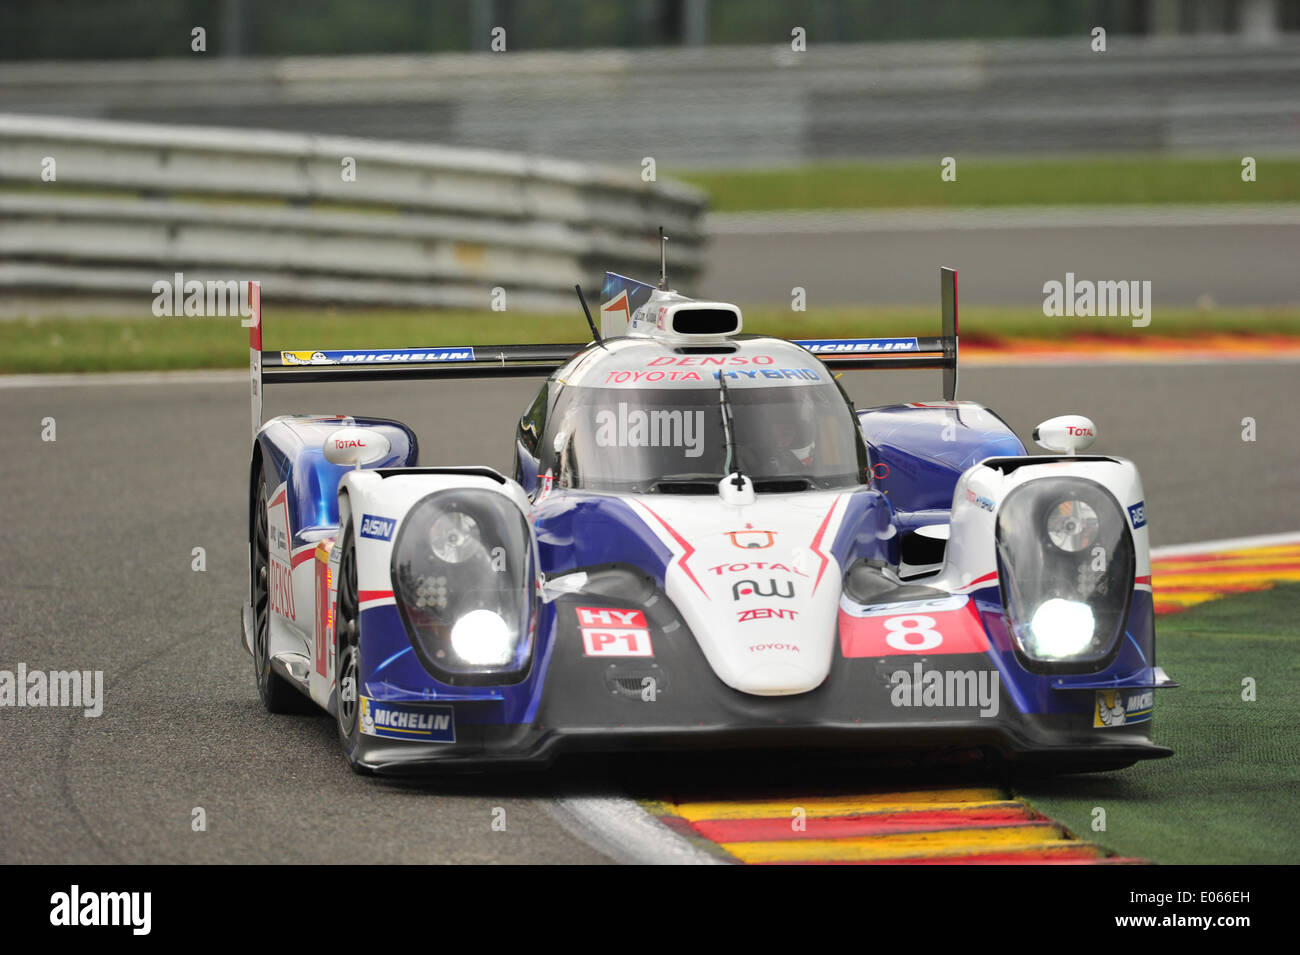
(845, 149)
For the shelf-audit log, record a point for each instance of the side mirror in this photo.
(1066, 434)
(355, 446)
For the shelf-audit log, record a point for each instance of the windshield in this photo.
(671, 440)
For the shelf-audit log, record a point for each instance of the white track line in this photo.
(207, 377)
(1228, 543)
(618, 827)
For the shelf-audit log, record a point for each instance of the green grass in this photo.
(139, 344)
(1228, 793)
(986, 182)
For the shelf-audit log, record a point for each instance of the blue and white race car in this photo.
(705, 545)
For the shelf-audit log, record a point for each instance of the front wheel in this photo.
(347, 636)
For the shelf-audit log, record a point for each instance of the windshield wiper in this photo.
(728, 431)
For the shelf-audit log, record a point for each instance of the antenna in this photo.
(663, 260)
(595, 335)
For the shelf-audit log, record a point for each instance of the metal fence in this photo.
(729, 105)
(320, 219)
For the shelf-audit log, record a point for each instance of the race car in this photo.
(703, 545)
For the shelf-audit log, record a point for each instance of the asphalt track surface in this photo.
(95, 573)
(1233, 257)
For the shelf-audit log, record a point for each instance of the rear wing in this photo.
(904, 353)
(510, 361)
(390, 364)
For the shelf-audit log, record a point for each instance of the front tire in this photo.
(347, 668)
(278, 694)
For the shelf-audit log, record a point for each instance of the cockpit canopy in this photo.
(788, 436)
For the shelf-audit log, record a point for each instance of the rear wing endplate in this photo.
(902, 353)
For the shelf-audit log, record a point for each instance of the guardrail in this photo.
(730, 106)
(417, 225)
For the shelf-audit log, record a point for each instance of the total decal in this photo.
(754, 566)
(1117, 708)
(943, 625)
(429, 724)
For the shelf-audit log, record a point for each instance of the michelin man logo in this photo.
(1110, 709)
(367, 719)
(306, 358)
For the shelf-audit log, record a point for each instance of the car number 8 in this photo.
(901, 630)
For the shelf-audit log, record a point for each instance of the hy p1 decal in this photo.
(429, 724)
(610, 632)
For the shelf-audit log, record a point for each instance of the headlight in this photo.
(1061, 629)
(482, 638)
(1072, 525)
(464, 580)
(1065, 567)
(454, 537)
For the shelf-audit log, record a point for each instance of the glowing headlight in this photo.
(1065, 569)
(482, 638)
(465, 578)
(1072, 525)
(454, 537)
(1061, 628)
